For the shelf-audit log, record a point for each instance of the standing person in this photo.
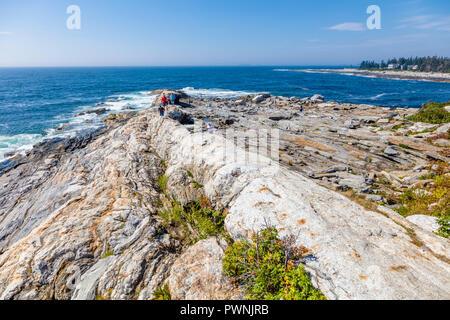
(172, 98)
(164, 100)
(301, 108)
(161, 110)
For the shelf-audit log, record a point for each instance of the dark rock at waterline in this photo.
(63, 126)
(98, 112)
(10, 164)
(9, 154)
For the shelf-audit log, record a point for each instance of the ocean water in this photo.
(40, 103)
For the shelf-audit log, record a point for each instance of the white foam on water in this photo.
(19, 143)
(77, 123)
(216, 93)
(382, 95)
(129, 102)
(378, 96)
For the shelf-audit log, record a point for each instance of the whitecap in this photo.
(77, 123)
(19, 143)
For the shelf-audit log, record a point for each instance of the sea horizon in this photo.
(43, 102)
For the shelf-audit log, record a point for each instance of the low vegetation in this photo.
(195, 221)
(162, 293)
(433, 112)
(359, 199)
(432, 197)
(268, 268)
(107, 254)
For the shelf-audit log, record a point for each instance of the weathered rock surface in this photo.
(197, 274)
(78, 217)
(425, 222)
(357, 254)
(317, 98)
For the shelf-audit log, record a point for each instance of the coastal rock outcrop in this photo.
(356, 253)
(79, 217)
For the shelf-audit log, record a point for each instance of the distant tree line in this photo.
(425, 64)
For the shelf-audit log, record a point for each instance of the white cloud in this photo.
(426, 22)
(348, 26)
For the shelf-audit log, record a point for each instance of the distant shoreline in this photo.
(386, 74)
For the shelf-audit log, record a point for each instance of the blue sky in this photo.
(219, 32)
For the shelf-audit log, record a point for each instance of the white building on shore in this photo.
(392, 66)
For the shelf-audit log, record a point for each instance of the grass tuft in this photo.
(162, 293)
(162, 183)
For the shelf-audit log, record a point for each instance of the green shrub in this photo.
(433, 112)
(267, 269)
(162, 293)
(174, 215)
(197, 220)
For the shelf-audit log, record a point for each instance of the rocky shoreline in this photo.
(80, 217)
(386, 74)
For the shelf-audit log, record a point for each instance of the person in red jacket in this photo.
(164, 100)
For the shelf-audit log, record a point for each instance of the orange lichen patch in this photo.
(16, 277)
(305, 251)
(263, 189)
(301, 222)
(445, 152)
(284, 215)
(316, 247)
(398, 268)
(358, 154)
(310, 143)
(362, 277)
(413, 144)
(206, 203)
(312, 234)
